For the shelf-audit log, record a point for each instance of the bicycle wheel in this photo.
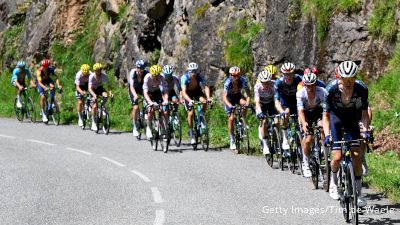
(271, 142)
(154, 139)
(19, 112)
(342, 189)
(299, 152)
(106, 122)
(163, 131)
(55, 113)
(245, 140)
(31, 111)
(314, 171)
(204, 134)
(195, 133)
(327, 168)
(46, 109)
(139, 124)
(352, 194)
(279, 149)
(176, 129)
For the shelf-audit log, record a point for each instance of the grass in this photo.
(12, 38)
(383, 22)
(200, 12)
(155, 56)
(384, 174)
(238, 41)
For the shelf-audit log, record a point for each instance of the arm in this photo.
(326, 123)
(365, 120)
(278, 106)
(79, 89)
(225, 99)
(303, 120)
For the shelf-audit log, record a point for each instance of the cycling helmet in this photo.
(309, 78)
(315, 70)
(234, 70)
(85, 68)
(264, 76)
(347, 69)
(168, 70)
(271, 69)
(155, 70)
(21, 63)
(306, 71)
(288, 67)
(45, 63)
(140, 64)
(192, 66)
(97, 66)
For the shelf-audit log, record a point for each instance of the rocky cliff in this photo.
(179, 31)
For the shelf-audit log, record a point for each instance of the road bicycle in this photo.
(141, 123)
(274, 141)
(28, 107)
(346, 182)
(52, 110)
(86, 112)
(200, 127)
(295, 149)
(102, 117)
(242, 139)
(160, 130)
(174, 122)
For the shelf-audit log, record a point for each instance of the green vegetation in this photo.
(200, 12)
(238, 50)
(11, 43)
(155, 56)
(383, 22)
(350, 5)
(384, 174)
(184, 42)
(123, 10)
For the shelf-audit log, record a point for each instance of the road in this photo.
(63, 175)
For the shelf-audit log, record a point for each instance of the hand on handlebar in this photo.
(327, 141)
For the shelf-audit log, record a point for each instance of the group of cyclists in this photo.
(340, 105)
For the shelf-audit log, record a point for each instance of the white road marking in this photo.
(113, 161)
(80, 151)
(160, 217)
(141, 175)
(6, 136)
(40, 142)
(156, 195)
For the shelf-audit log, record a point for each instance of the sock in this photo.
(190, 132)
(231, 138)
(265, 142)
(134, 124)
(285, 134)
(335, 178)
(260, 133)
(79, 116)
(305, 159)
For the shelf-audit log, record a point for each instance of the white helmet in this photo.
(192, 66)
(347, 69)
(264, 76)
(309, 78)
(234, 70)
(168, 70)
(288, 67)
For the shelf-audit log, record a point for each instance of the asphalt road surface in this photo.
(63, 175)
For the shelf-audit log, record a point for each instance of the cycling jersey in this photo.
(319, 83)
(307, 104)
(133, 79)
(345, 115)
(265, 95)
(43, 76)
(186, 82)
(172, 82)
(286, 94)
(96, 82)
(17, 75)
(241, 85)
(81, 79)
(152, 84)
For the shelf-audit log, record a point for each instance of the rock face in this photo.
(195, 30)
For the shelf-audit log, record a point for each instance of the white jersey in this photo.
(266, 96)
(305, 103)
(151, 84)
(81, 79)
(95, 82)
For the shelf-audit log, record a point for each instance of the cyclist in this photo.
(155, 91)
(346, 99)
(173, 83)
(135, 88)
(194, 87)
(264, 99)
(96, 81)
(232, 95)
(81, 87)
(313, 70)
(273, 70)
(309, 107)
(18, 79)
(44, 74)
(285, 99)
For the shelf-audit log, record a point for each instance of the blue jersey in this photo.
(242, 85)
(284, 90)
(357, 103)
(185, 81)
(17, 75)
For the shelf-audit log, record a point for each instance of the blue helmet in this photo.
(21, 63)
(140, 64)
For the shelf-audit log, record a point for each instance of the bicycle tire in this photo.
(299, 152)
(342, 193)
(204, 138)
(163, 131)
(279, 152)
(176, 129)
(106, 123)
(31, 110)
(19, 113)
(154, 130)
(56, 114)
(246, 140)
(195, 133)
(327, 169)
(352, 194)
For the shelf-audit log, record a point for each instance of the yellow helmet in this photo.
(97, 66)
(155, 70)
(271, 69)
(85, 68)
